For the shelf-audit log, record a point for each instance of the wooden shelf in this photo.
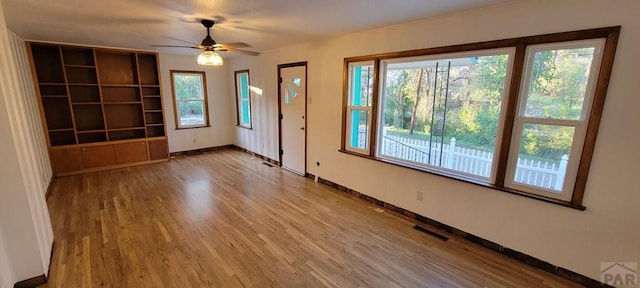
(120, 85)
(148, 71)
(125, 129)
(88, 117)
(52, 84)
(122, 103)
(48, 68)
(57, 113)
(52, 89)
(91, 131)
(84, 93)
(79, 66)
(92, 137)
(93, 103)
(83, 84)
(117, 67)
(155, 131)
(78, 57)
(61, 130)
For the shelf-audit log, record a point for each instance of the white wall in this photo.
(263, 75)
(25, 171)
(607, 231)
(7, 276)
(220, 117)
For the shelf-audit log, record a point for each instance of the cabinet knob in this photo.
(84, 149)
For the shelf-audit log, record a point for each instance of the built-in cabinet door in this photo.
(158, 149)
(131, 152)
(66, 160)
(98, 156)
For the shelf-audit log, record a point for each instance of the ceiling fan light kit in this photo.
(210, 58)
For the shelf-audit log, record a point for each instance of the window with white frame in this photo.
(443, 112)
(518, 115)
(558, 86)
(359, 105)
(190, 99)
(243, 99)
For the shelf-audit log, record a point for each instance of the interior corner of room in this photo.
(339, 107)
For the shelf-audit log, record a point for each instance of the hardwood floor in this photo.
(223, 219)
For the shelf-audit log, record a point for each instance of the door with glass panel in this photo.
(293, 101)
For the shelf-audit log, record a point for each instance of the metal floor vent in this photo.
(434, 234)
(267, 164)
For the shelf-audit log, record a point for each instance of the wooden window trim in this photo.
(611, 34)
(175, 99)
(238, 123)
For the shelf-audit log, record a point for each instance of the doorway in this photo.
(292, 108)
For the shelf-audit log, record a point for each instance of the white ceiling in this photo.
(264, 24)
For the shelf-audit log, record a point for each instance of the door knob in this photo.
(301, 128)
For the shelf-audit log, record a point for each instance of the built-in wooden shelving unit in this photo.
(101, 108)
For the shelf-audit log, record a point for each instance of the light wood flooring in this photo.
(224, 219)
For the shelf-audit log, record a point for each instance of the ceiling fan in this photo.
(210, 47)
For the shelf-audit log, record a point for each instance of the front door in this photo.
(293, 106)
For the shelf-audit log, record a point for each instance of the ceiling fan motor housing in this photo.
(208, 41)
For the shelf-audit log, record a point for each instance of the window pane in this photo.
(246, 118)
(444, 112)
(558, 83)
(244, 86)
(191, 113)
(359, 129)
(361, 85)
(188, 87)
(543, 155)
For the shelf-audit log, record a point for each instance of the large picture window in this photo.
(519, 115)
(443, 111)
(243, 98)
(190, 99)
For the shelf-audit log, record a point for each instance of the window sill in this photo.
(468, 180)
(245, 127)
(195, 127)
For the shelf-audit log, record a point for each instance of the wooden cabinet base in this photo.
(79, 159)
(118, 166)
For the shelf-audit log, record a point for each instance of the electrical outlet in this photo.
(419, 196)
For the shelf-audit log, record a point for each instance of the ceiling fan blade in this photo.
(238, 51)
(233, 45)
(175, 46)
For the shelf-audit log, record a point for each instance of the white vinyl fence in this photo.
(477, 162)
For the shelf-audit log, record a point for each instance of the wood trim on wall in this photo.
(175, 99)
(610, 33)
(596, 114)
(510, 114)
(436, 225)
(235, 81)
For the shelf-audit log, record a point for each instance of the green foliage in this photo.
(189, 87)
(558, 83)
(474, 98)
